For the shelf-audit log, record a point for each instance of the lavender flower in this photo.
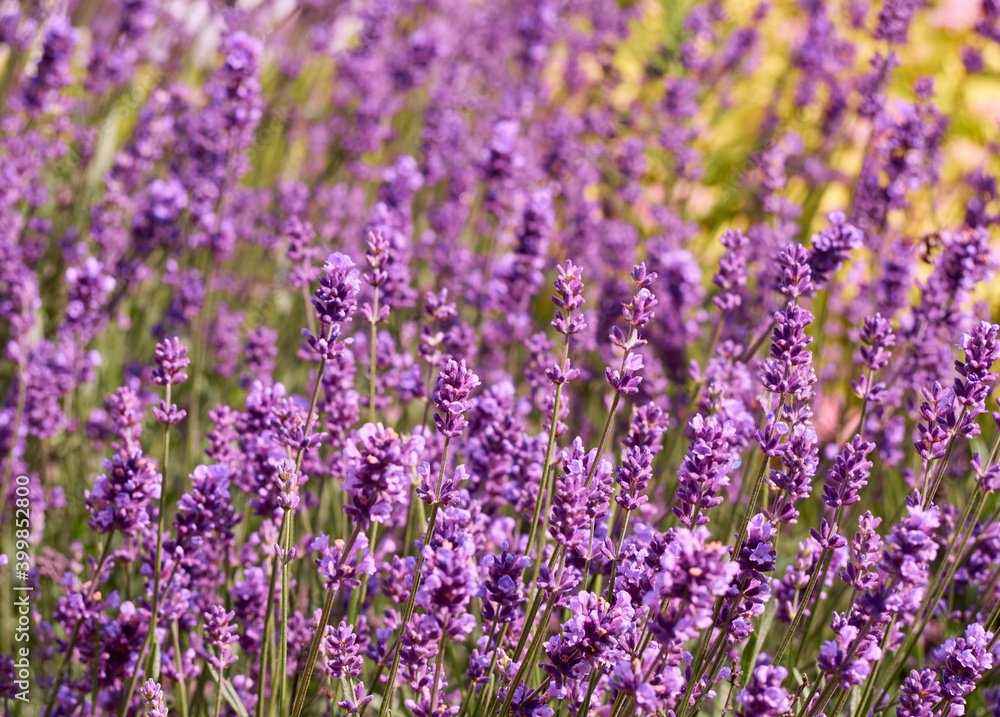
(704, 470)
(866, 549)
(121, 497)
(833, 246)
(981, 349)
(569, 299)
(919, 694)
(220, 637)
(795, 279)
(451, 398)
(481, 561)
(501, 591)
(574, 504)
(732, 274)
(764, 695)
(342, 565)
(171, 360)
(876, 338)
(378, 465)
(378, 255)
(335, 301)
(789, 370)
(849, 474)
(963, 661)
(53, 71)
(342, 652)
(633, 476)
(152, 699)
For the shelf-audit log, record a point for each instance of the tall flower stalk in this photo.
(569, 299)
(171, 360)
(335, 302)
(378, 256)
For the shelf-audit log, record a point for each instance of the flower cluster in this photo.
(500, 359)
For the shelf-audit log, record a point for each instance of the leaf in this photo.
(750, 653)
(229, 695)
(233, 699)
(854, 703)
(156, 661)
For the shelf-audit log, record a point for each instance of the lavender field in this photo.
(523, 358)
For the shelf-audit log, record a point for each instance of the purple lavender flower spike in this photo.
(152, 699)
(732, 275)
(220, 634)
(795, 279)
(919, 694)
(171, 360)
(378, 465)
(495, 561)
(627, 380)
(789, 370)
(121, 497)
(704, 470)
(334, 301)
(342, 651)
(849, 474)
(765, 695)
(569, 299)
(963, 662)
(501, 591)
(833, 246)
(451, 398)
(876, 339)
(981, 349)
(53, 71)
(633, 476)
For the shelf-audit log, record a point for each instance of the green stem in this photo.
(937, 585)
(696, 674)
(544, 489)
(713, 676)
(864, 404)
(261, 710)
(487, 691)
(529, 620)
(127, 699)
(818, 577)
(300, 695)
(371, 382)
(824, 697)
(179, 666)
(543, 483)
(287, 539)
(438, 669)
(614, 560)
(585, 705)
(96, 674)
(161, 521)
(218, 693)
(834, 678)
(283, 638)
